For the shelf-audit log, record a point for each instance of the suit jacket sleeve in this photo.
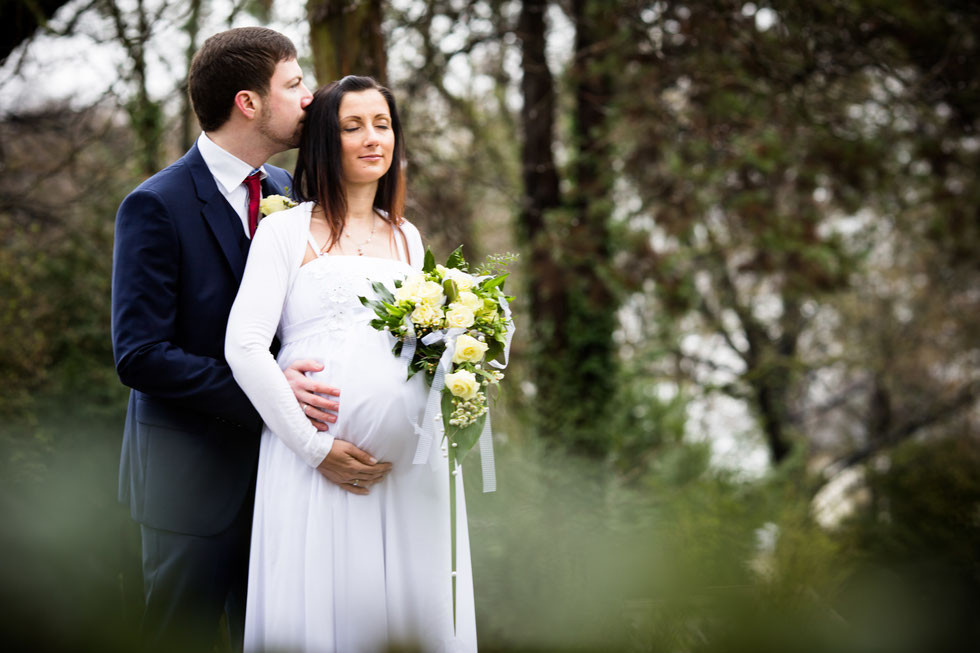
(144, 308)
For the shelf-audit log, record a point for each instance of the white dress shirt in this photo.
(229, 173)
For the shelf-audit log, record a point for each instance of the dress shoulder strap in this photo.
(315, 245)
(402, 246)
(416, 251)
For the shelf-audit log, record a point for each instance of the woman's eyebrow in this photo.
(356, 117)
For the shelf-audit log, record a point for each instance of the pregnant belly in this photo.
(377, 404)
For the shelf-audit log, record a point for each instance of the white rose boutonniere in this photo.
(272, 203)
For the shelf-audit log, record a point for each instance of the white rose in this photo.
(273, 203)
(425, 314)
(469, 349)
(409, 288)
(463, 281)
(459, 316)
(430, 292)
(463, 384)
(470, 300)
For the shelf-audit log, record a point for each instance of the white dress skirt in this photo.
(330, 570)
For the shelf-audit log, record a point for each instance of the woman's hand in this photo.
(351, 468)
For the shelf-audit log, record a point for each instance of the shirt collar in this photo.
(228, 170)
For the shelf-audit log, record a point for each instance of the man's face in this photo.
(284, 106)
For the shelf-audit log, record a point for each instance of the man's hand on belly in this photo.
(310, 393)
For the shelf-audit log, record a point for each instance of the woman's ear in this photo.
(248, 103)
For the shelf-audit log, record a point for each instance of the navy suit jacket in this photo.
(191, 439)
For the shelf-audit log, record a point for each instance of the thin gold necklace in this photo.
(374, 227)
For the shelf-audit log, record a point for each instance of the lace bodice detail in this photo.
(340, 288)
(324, 296)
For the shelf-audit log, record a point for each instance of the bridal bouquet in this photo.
(454, 327)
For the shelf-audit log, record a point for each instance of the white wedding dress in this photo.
(330, 570)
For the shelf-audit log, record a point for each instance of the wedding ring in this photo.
(305, 406)
(354, 482)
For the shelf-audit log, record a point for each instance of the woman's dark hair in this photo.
(240, 59)
(319, 169)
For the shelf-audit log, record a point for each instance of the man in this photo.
(191, 441)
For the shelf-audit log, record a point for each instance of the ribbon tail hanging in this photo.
(486, 458)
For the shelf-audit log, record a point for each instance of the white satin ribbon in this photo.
(486, 458)
(408, 345)
(433, 405)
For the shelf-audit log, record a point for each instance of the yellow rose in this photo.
(273, 203)
(409, 288)
(459, 316)
(470, 301)
(425, 314)
(463, 384)
(469, 349)
(430, 292)
(463, 281)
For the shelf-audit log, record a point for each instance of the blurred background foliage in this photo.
(742, 408)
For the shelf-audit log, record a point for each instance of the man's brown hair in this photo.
(240, 59)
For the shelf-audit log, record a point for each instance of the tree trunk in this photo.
(592, 303)
(347, 39)
(541, 195)
(572, 310)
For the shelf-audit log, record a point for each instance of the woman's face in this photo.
(367, 139)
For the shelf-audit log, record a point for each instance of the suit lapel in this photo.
(217, 213)
(270, 187)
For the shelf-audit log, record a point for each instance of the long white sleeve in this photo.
(275, 254)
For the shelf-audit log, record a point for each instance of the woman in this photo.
(330, 570)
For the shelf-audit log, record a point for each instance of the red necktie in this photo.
(254, 185)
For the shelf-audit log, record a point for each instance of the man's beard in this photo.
(265, 128)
